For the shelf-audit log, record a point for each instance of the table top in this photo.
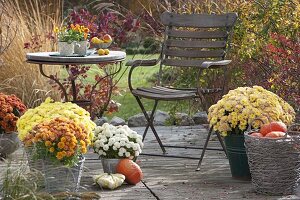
(46, 58)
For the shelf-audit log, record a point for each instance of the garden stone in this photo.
(116, 121)
(101, 121)
(183, 119)
(200, 118)
(137, 120)
(160, 118)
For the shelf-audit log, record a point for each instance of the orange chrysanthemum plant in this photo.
(60, 139)
(11, 108)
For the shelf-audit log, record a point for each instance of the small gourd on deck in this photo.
(109, 181)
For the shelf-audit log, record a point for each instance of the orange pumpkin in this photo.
(256, 134)
(130, 170)
(273, 126)
(275, 134)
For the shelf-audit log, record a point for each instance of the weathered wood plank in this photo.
(194, 53)
(197, 34)
(195, 44)
(163, 97)
(172, 178)
(198, 20)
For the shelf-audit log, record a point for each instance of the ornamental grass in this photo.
(32, 20)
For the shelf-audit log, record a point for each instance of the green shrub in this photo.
(152, 45)
(132, 51)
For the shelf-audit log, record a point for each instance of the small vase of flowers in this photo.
(113, 143)
(11, 108)
(72, 39)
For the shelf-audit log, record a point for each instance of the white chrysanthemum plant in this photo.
(117, 142)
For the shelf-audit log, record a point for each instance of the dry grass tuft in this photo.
(34, 20)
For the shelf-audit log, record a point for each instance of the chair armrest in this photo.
(137, 63)
(207, 64)
(151, 62)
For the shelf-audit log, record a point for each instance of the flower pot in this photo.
(81, 47)
(56, 177)
(65, 48)
(110, 165)
(237, 156)
(9, 143)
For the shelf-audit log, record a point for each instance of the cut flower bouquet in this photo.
(73, 33)
(238, 108)
(117, 142)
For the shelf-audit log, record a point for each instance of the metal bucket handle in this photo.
(250, 124)
(293, 132)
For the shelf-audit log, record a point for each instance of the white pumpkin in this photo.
(110, 181)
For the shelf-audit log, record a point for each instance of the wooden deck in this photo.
(173, 178)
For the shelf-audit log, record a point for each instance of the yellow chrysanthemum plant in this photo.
(237, 109)
(56, 130)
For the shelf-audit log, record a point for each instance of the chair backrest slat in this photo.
(195, 53)
(182, 63)
(193, 20)
(197, 34)
(195, 44)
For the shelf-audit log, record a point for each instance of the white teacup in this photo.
(81, 47)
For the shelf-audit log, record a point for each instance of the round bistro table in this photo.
(53, 58)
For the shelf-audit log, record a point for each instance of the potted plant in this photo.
(82, 43)
(56, 135)
(11, 108)
(113, 143)
(232, 115)
(72, 40)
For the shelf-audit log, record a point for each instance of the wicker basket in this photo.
(56, 177)
(274, 163)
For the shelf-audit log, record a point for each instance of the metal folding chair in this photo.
(191, 40)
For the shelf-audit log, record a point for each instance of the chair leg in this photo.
(204, 148)
(150, 122)
(222, 143)
(145, 132)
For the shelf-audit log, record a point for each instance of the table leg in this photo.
(56, 81)
(73, 84)
(110, 77)
(106, 75)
